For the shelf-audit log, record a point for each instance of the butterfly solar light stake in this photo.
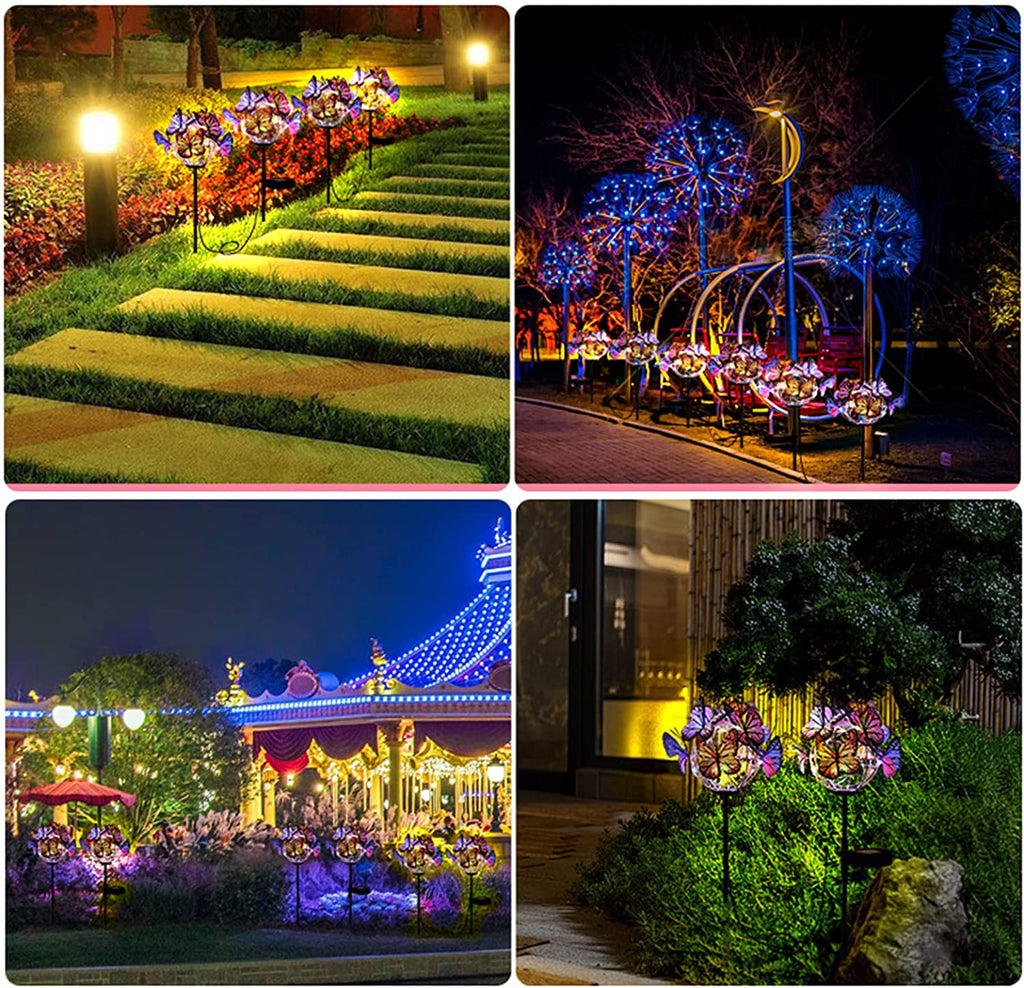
(472, 854)
(686, 360)
(297, 845)
(844, 749)
(725, 748)
(194, 139)
(351, 845)
(104, 844)
(52, 843)
(327, 104)
(264, 118)
(375, 92)
(742, 364)
(793, 384)
(419, 853)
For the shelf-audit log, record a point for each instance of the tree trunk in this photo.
(378, 21)
(208, 50)
(196, 19)
(9, 75)
(117, 49)
(458, 25)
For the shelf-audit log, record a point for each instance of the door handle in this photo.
(571, 596)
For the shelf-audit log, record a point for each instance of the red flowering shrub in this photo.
(44, 222)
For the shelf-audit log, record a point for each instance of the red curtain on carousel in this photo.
(286, 748)
(466, 738)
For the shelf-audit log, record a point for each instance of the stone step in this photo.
(318, 317)
(485, 172)
(427, 221)
(428, 203)
(402, 246)
(92, 439)
(368, 277)
(462, 158)
(453, 186)
(435, 396)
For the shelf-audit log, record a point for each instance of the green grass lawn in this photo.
(197, 943)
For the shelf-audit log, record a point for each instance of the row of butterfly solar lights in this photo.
(194, 138)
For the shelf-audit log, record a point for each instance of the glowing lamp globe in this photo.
(352, 844)
(741, 364)
(863, 402)
(52, 843)
(99, 132)
(472, 853)
(844, 747)
(298, 844)
(496, 771)
(133, 718)
(726, 747)
(478, 54)
(684, 359)
(63, 714)
(104, 844)
(419, 853)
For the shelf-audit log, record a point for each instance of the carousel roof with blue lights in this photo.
(465, 666)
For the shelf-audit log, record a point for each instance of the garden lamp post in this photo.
(99, 132)
(98, 722)
(478, 55)
(792, 154)
(496, 775)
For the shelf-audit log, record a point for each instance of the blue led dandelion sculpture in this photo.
(567, 266)
(704, 161)
(875, 229)
(983, 69)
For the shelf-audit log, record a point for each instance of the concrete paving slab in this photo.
(486, 172)
(464, 158)
(413, 327)
(92, 439)
(432, 204)
(428, 395)
(368, 277)
(426, 220)
(452, 186)
(380, 244)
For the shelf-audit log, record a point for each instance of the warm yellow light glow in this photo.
(289, 779)
(59, 769)
(133, 718)
(99, 132)
(319, 787)
(495, 771)
(478, 54)
(63, 714)
(425, 795)
(78, 773)
(775, 113)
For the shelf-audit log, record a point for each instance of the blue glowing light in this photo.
(870, 224)
(568, 265)
(983, 69)
(628, 209)
(704, 160)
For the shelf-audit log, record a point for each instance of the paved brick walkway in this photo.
(562, 447)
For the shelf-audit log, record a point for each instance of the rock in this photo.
(909, 926)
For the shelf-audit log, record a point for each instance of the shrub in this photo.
(957, 796)
(171, 891)
(251, 887)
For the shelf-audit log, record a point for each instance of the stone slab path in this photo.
(365, 387)
(318, 317)
(135, 446)
(157, 354)
(556, 446)
(367, 277)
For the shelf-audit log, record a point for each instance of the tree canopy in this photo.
(898, 595)
(178, 765)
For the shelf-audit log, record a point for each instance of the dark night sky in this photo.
(249, 579)
(564, 53)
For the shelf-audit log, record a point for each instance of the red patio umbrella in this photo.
(77, 791)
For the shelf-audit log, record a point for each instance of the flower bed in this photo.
(44, 215)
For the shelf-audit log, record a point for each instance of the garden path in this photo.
(559, 446)
(422, 259)
(557, 942)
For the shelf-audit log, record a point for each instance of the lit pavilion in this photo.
(429, 730)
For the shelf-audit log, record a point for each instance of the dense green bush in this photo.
(250, 888)
(957, 796)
